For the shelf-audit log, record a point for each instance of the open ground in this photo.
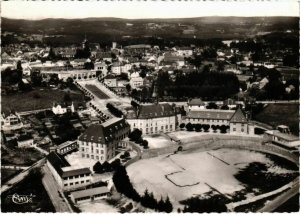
(195, 173)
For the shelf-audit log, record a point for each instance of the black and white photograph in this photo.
(150, 106)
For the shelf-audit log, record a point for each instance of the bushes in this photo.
(116, 112)
(148, 200)
(182, 125)
(135, 135)
(189, 127)
(106, 167)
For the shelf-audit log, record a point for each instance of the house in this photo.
(25, 141)
(89, 194)
(116, 68)
(236, 120)
(110, 80)
(196, 104)
(67, 147)
(152, 118)
(10, 122)
(67, 177)
(135, 80)
(101, 66)
(99, 141)
(184, 51)
(63, 108)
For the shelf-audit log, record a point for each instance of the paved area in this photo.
(54, 192)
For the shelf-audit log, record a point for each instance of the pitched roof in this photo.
(151, 111)
(211, 114)
(90, 192)
(196, 102)
(238, 117)
(103, 133)
(59, 162)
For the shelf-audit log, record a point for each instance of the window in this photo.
(234, 129)
(166, 126)
(102, 152)
(162, 128)
(82, 182)
(65, 185)
(82, 149)
(87, 180)
(92, 156)
(71, 184)
(242, 130)
(77, 182)
(170, 126)
(97, 151)
(88, 156)
(83, 155)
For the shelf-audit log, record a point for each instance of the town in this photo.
(116, 127)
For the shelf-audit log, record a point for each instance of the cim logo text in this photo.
(21, 199)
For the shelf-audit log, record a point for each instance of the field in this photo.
(213, 170)
(100, 94)
(21, 157)
(37, 99)
(281, 114)
(30, 185)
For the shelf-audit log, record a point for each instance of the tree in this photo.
(145, 199)
(145, 144)
(182, 125)
(212, 105)
(168, 205)
(135, 135)
(97, 168)
(123, 184)
(106, 167)
(128, 87)
(224, 107)
(189, 127)
(126, 154)
(161, 204)
(198, 127)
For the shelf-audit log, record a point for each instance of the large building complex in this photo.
(152, 118)
(99, 141)
(236, 120)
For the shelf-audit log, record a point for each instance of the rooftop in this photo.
(90, 192)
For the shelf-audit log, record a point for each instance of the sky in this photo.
(147, 9)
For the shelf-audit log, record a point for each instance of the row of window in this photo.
(96, 151)
(76, 176)
(76, 183)
(98, 145)
(96, 157)
(208, 120)
(151, 124)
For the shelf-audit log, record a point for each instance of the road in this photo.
(54, 191)
(9, 184)
(281, 199)
(15, 167)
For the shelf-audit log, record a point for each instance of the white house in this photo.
(10, 122)
(62, 109)
(135, 80)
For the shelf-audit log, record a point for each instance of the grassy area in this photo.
(278, 114)
(22, 157)
(37, 99)
(30, 185)
(7, 174)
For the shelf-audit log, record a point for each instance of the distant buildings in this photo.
(152, 118)
(99, 142)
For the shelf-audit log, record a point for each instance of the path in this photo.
(15, 180)
(14, 167)
(281, 199)
(41, 150)
(55, 193)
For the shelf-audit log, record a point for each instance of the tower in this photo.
(154, 94)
